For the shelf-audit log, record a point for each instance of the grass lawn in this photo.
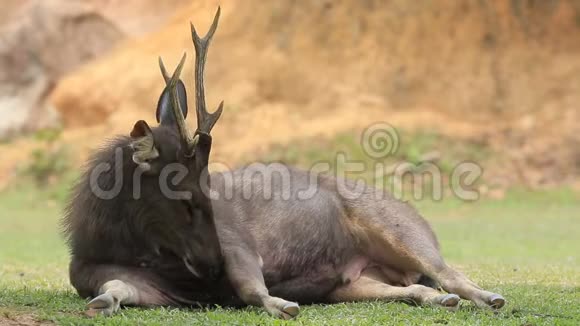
(524, 247)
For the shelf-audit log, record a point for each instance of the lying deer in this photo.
(198, 248)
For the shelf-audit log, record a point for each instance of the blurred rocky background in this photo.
(501, 77)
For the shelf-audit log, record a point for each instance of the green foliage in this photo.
(46, 164)
(49, 135)
(415, 151)
(50, 161)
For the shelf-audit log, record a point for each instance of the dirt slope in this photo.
(504, 72)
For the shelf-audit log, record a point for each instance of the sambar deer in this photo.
(152, 242)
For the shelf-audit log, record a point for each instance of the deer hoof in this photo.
(496, 301)
(105, 304)
(450, 300)
(290, 310)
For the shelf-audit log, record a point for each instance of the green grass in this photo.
(524, 247)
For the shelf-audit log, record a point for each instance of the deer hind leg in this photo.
(455, 282)
(112, 286)
(369, 287)
(410, 245)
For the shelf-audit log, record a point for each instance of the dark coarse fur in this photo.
(137, 231)
(108, 230)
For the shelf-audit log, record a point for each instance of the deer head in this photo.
(189, 233)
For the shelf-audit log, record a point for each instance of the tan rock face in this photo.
(468, 58)
(280, 64)
(137, 17)
(41, 41)
(503, 72)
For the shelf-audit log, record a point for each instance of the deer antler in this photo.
(175, 105)
(166, 76)
(205, 120)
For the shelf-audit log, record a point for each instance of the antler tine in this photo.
(205, 120)
(164, 71)
(177, 112)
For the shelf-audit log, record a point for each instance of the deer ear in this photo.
(164, 111)
(141, 129)
(143, 144)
